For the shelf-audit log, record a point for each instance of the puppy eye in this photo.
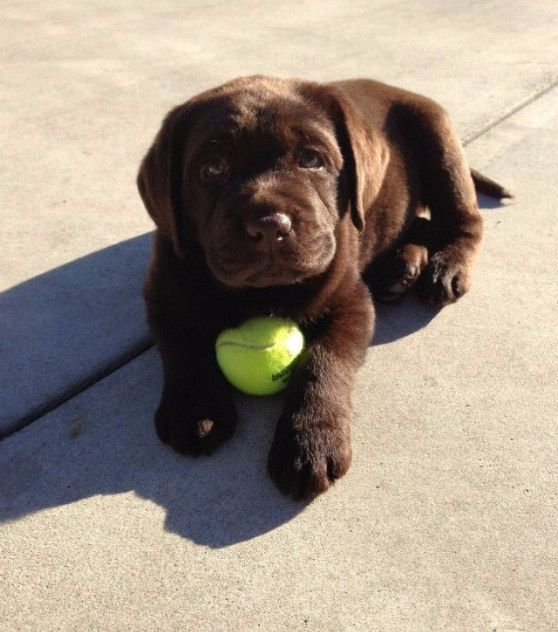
(310, 159)
(213, 168)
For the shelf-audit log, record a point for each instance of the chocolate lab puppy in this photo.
(294, 198)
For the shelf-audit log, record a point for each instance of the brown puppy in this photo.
(276, 196)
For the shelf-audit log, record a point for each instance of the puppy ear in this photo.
(365, 155)
(160, 177)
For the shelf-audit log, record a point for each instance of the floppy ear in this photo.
(160, 177)
(365, 155)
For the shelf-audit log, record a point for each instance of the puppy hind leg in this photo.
(395, 272)
(449, 193)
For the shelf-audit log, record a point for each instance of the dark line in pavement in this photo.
(511, 111)
(79, 387)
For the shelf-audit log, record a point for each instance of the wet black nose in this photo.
(272, 227)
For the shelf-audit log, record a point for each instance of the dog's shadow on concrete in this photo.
(102, 441)
(401, 318)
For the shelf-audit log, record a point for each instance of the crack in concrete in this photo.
(506, 114)
(79, 387)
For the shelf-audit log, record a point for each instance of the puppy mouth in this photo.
(277, 266)
(278, 272)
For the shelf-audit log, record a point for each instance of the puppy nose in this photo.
(272, 227)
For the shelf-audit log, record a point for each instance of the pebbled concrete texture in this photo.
(85, 86)
(446, 521)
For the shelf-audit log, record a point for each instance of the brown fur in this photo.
(385, 156)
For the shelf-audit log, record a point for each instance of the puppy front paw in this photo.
(194, 430)
(305, 460)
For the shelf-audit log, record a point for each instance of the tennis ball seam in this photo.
(244, 345)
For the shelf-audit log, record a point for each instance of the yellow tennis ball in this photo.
(259, 356)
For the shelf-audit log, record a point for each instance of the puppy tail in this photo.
(489, 187)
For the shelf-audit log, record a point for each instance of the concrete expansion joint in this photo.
(507, 113)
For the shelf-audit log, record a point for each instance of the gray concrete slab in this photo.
(446, 521)
(85, 85)
(63, 329)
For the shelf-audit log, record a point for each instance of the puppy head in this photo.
(259, 172)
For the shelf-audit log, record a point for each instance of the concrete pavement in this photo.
(447, 519)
